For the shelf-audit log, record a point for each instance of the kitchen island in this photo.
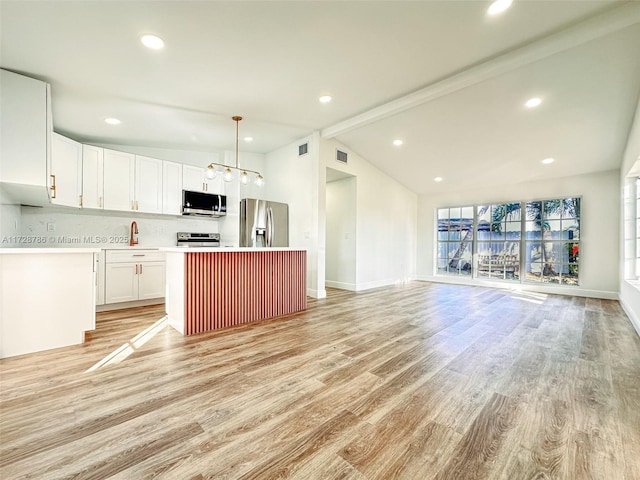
(213, 288)
(47, 298)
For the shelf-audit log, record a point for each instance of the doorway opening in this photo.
(340, 258)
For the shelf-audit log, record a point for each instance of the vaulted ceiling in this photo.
(447, 79)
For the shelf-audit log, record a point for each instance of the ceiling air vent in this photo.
(303, 149)
(341, 156)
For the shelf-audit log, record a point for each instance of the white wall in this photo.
(600, 228)
(294, 180)
(629, 291)
(341, 234)
(386, 220)
(10, 225)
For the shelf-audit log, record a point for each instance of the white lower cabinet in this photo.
(132, 275)
(151, 281)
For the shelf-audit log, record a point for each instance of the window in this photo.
(553, 241)
(632, 228)
(455, 241)
(535, 241)
(637, 226)
(499, 231)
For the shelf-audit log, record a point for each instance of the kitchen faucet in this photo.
(133, 236)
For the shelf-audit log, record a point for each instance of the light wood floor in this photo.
(421, 381)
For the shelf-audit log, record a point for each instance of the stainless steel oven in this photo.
(188, 239)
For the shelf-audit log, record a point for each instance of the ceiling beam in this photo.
(583, 32)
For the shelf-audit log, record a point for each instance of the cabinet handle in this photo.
(139, 254)
(140, 269)
(53, 186)
(137, 206)
(136, 268)
(81, 201)
(100, 202)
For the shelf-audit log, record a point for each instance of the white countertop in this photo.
(26, 251)
(135, 247)
(229, 249)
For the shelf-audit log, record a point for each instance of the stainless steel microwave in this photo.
(203, 204)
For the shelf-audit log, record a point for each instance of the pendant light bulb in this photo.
(228, 175)
(211, 172)
(259, 181)
(244, 178)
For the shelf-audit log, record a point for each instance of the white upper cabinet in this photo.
(148, 185)
(25, 116)
(171, 188)
(92, 171)
(65, 172)
(215, 185)
(119, 180)
(195, 179)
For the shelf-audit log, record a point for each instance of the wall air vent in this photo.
(341, 156)
(303, 149)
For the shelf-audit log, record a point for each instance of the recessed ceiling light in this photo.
(548, 161)
(533, 102)
(112, 121)
(498, 6)
(325, 99)
(437, 179)
(248, 139)
(398, 142)
(152, 41)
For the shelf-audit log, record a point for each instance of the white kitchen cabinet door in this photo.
(148, 185)
(193, 178)
(151, 280)
(121, 282)
(65, 172)
(92, 172)
(24, 137)
(171, 188)
(119, 180)
(215, 185)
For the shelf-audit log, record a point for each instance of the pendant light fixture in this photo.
(227, 170)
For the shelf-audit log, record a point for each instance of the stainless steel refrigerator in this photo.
(263, 223)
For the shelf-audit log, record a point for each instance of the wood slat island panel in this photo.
(225, 288)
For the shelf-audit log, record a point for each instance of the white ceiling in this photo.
(270, 61)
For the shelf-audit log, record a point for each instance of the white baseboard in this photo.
(359, 287)
(523, 287)
(635, 321)
(122, 305)
(313, 293)
(375, 284)
(341, 285)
